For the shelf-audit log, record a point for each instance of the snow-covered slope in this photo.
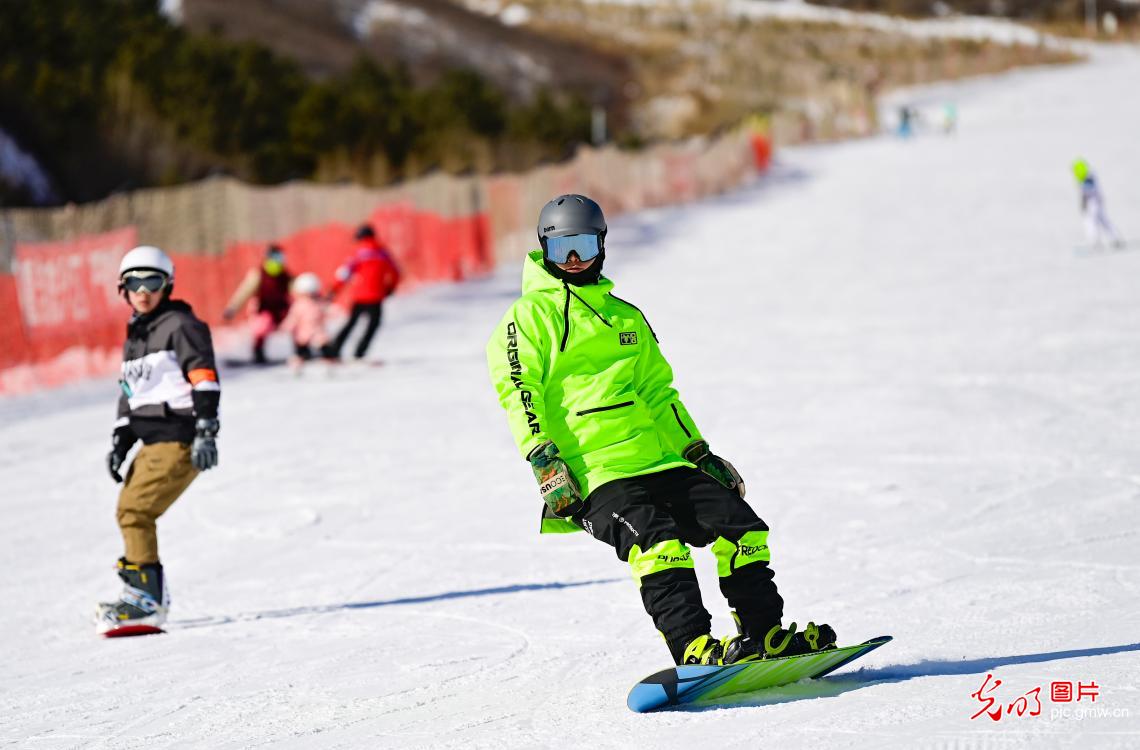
(935, 403)
(1000, 30)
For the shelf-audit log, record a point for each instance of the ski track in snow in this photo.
(935, 404)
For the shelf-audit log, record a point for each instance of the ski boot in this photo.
(142, 606)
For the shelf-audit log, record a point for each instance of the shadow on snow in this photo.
(321, 609)
(830, 687)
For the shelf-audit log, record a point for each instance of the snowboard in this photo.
(705, 685)
(108, 628)
(126, 631)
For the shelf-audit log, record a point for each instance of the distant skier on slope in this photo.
(590, 401)
(169, 401)
(1097, 226)
(373, 277)
(306, 322)
(268, 284)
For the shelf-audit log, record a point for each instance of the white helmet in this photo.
(307, 283)
(147, 256)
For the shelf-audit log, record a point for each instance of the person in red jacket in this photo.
(373, 276)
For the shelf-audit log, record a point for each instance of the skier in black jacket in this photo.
(169, 401)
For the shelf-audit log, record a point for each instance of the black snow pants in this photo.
(667, 512)
(372, 311)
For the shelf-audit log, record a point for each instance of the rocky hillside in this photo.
(702, 66)
(428, 37)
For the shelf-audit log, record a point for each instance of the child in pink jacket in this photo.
(306, 321)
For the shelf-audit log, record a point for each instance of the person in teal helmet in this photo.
(590, 401)
(1098, 229)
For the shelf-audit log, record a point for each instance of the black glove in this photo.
(121, 441)
(559, 489)
(114, 461)
(697, 452)
(204, 451)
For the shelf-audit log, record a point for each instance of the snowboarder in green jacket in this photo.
(590, 400)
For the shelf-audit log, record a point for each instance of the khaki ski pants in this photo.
(158, 475)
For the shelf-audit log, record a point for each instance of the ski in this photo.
(685, 685)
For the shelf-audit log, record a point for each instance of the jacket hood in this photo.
(537, 279)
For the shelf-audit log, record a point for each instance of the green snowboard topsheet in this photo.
(684, 685)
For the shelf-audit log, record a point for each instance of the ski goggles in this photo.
(137, 281)
(585, 246)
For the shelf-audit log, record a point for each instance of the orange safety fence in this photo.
(63, 317)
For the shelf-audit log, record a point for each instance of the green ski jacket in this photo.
(580, 367)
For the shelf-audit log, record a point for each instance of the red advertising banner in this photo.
(64, 296)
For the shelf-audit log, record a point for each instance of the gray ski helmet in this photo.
(571, 214)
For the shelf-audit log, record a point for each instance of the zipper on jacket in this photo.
(622, 405)
(677, 414)
(566, 316)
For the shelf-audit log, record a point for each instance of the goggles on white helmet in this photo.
(148, 280)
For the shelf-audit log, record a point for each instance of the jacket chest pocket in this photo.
(596, 409)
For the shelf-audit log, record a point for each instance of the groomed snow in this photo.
(979, 28)
(1000, 30)
(936, 405)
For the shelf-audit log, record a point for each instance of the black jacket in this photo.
(169, 378)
